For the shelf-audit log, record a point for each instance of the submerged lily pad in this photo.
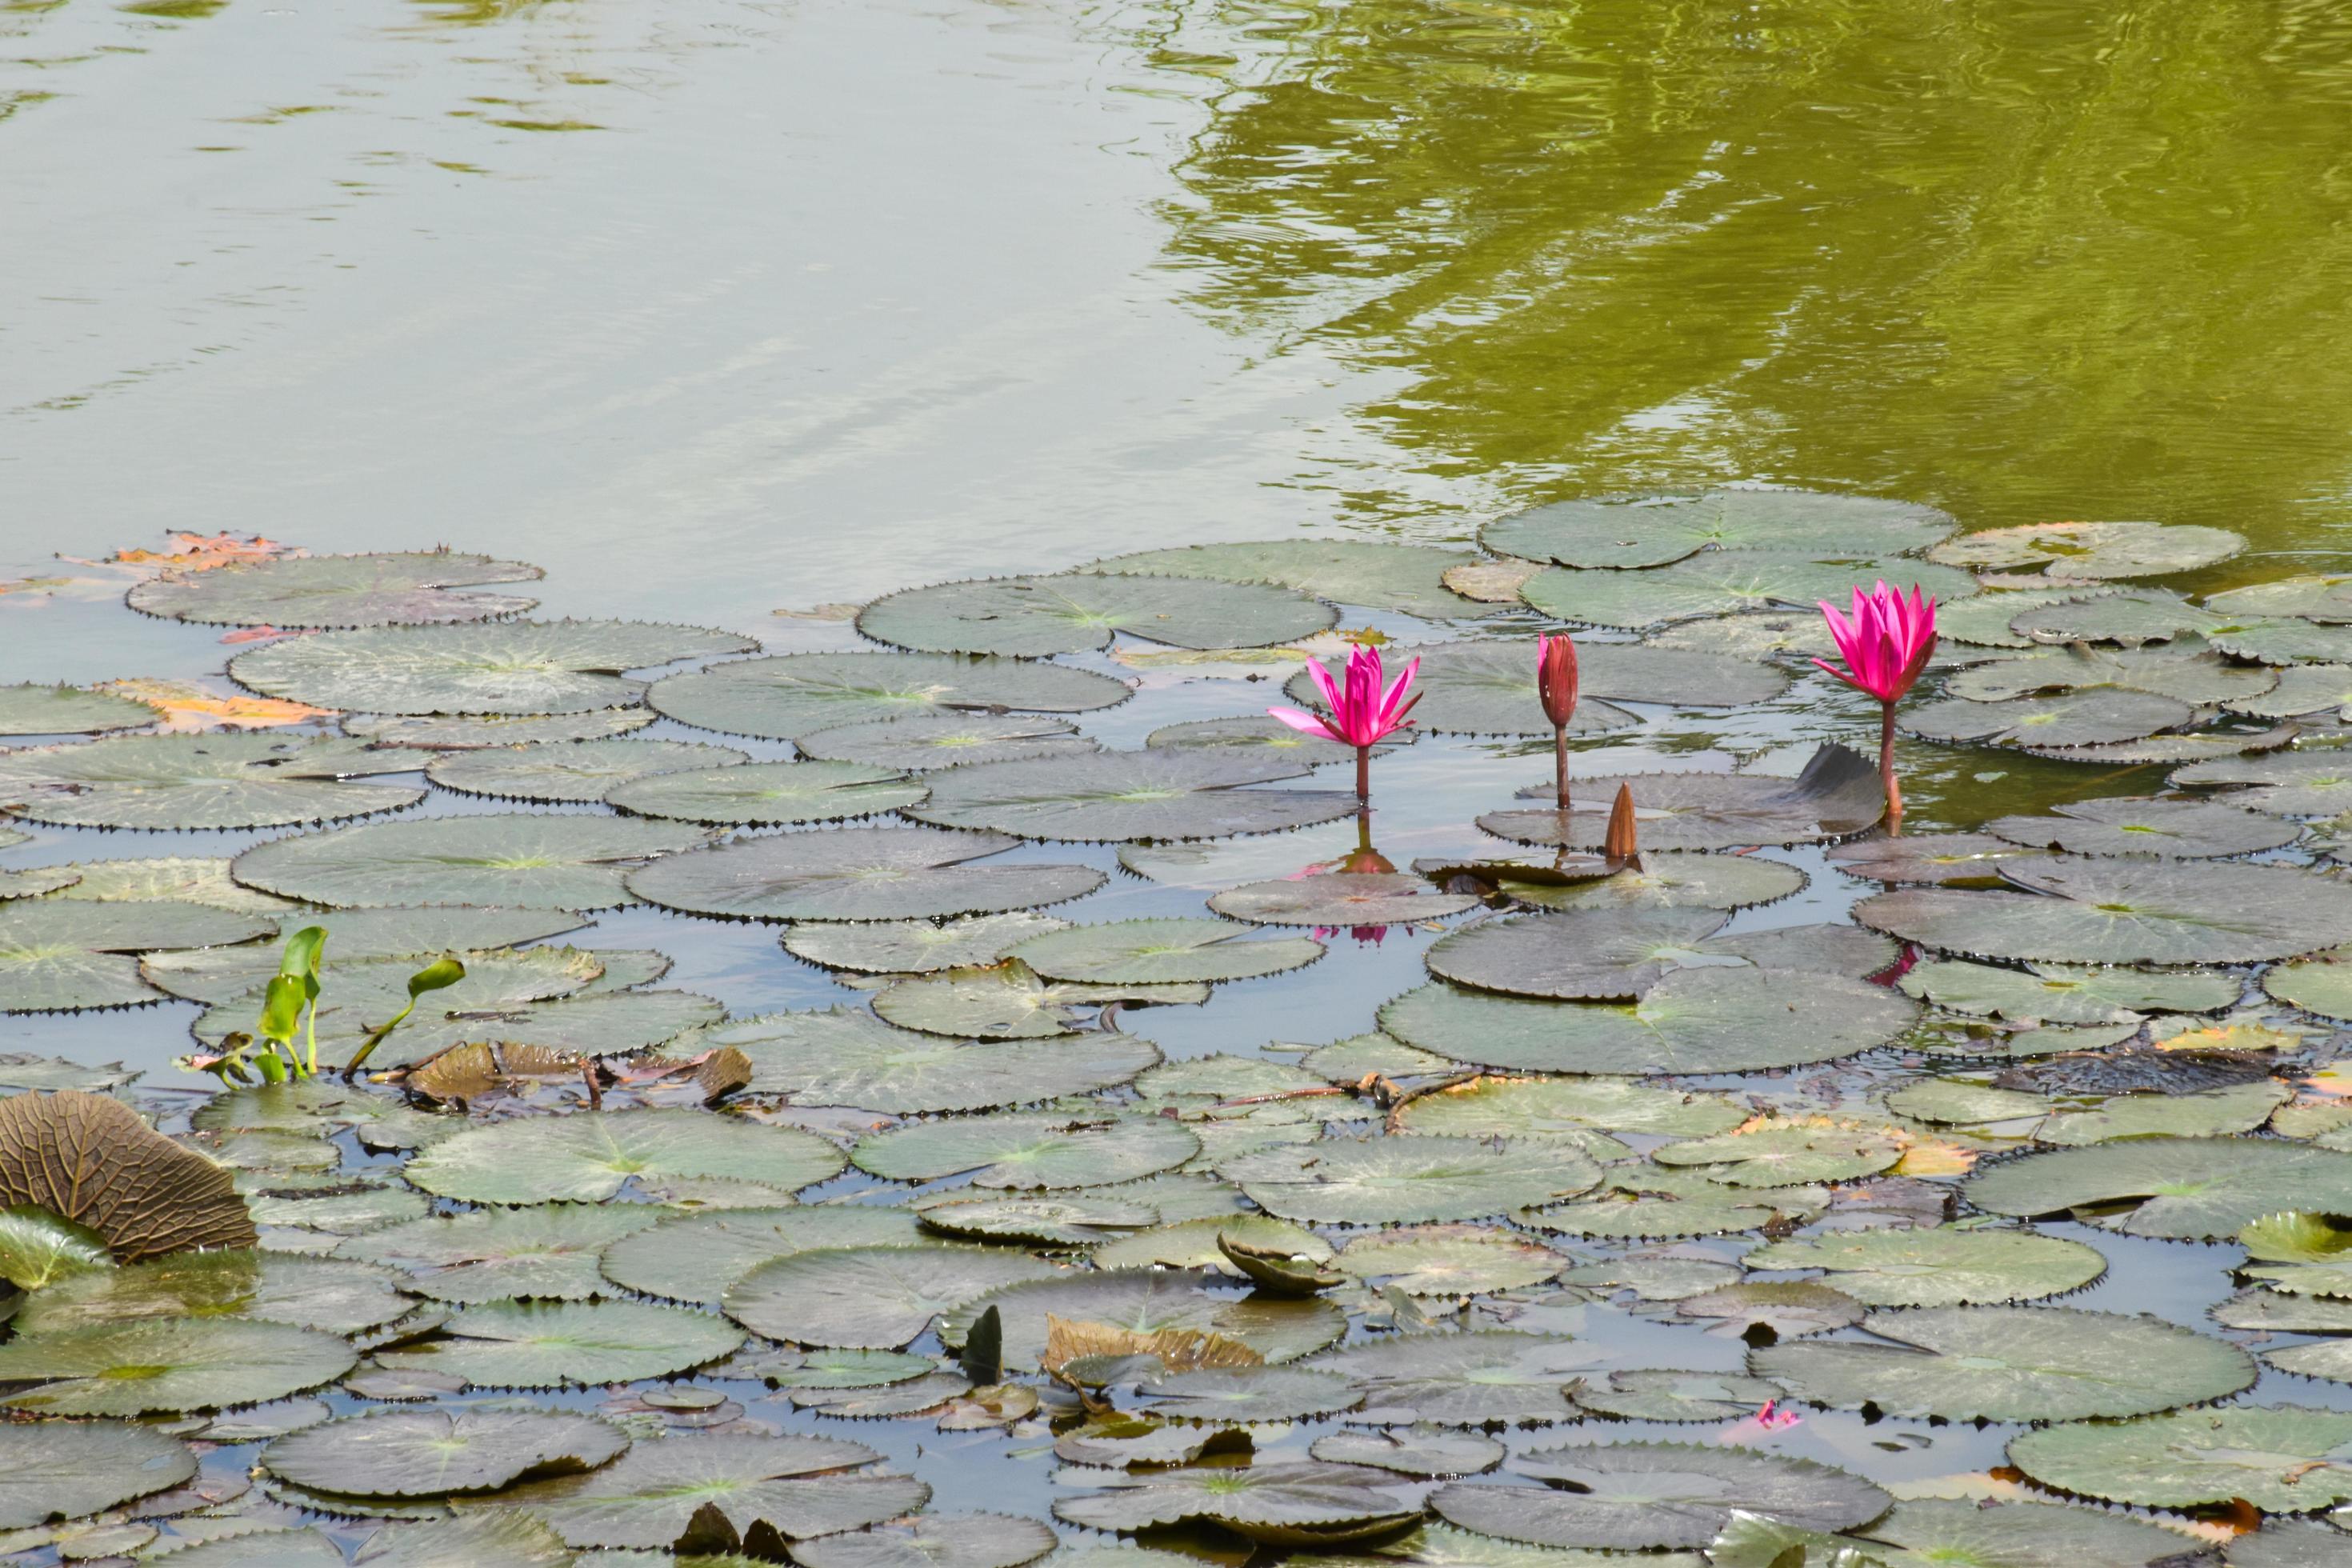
(166, 1364)
(2184, 1188)
(1710, 1020)
(766, 794)
(578, 771)
(694, 1257)
(508, 666)
(871, 1297)
(1720, 583)
(323, 591)
(551, 1251)
(1387, 1180)
(528, 858)
(1644, 1496)
(548, 1344)
(946, 740)
(2069, 719)
(858, 874)
(35, 710)
(847, 1057)
(437, 1453)
(1007, 1001)
(2182, 829)
(590, 1157)
(1340, 899)
(916, 947)
(1938, 1267)
(1162, 952)
(2287, 1459)
(1650, 530)
(647, 1498)
(785, 698)
(1027, 1151)
(1838, 794)
(1116, 796)
(59, 955)
(60, 1469)
(2091, 550)
(1404, 577)
(1077, 611)
(253, 780)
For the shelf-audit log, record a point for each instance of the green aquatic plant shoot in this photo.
(441, 974)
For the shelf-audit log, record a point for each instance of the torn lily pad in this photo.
(857, 874)
(409, 587)
(694, 1257)
(528, 858)
(1080, 612)
(871, 1297)
(1837, 794)
(437, 1453)
(1938, 1267)
(2179, 829)
(508, 666)
(575, 771)
(590, 1157)
(793, 695)
(1646, 1496)
(2093, 550)
(1111, 796)
(1403, 577)
(1651, 531)
(767, 795)
(166, 1364)
(549, 1344)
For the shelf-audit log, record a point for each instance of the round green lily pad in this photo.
(766, 794)
(59, 1470)
(577, 771)
(166, 1364)
(1965, 1530)
(1644, 1496)
(1390, 1181)
(2187, 671)
(2064, 994)
(1408, 578)
(1489, 687)
(253, 780)
(1784, 1155)
(2303, 689)
(1668, 880)
(1637, 1199)
(437, 1453)
(871, 1297)
(548, 1344)
(2287, 1459)
(1938, 1267)
(59, 955)
(2288, 784)
(2321, 985)
(2324, 598)
(1337, 898)
(847, 1057)
(1038, 1221)
(338, 1297)
(1194, 1243)
(1162, 952)
(2282, 641)
(1984, 621)
(1078, 612)
(647, 1498)
(325, 591)
(946, 740)
(422, 931)
(857, 874)
(916, 947)
(1569, 1108)
(2132, 617)
(785, 698)
(551, 1251)
(1261, 733)
(1425, 1451)
(1465, 1380)
(2181, 829)
(507, 667)
(1838, 794)
(525, 858)
(2092, 550)
(1115, 796)
(1650, 530)
(1754, 635)
(1637, 1394)
(589, 1157)
(1598, 954)
(1026, 1152)
(2068, 719)
(1007, 1001)
(35, 710)
(2192, 1189)
(1283, 1503)
(694, 1257)
(1451, 1259)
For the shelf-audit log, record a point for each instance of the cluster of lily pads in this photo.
(580, 1268)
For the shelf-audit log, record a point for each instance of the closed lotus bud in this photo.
(1555, 677)
(1620, 844)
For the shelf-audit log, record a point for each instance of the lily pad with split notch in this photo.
(551, 1251)
(1080, 612)
(2187, 1189)
(1110, 797)
(1651, 531)
(523, 858)
(801, 1486)
(1340, 899)
(590, 1157)
(2093, 550)
(304, 591)
(59, 955)
(166, 1364)
(1647, 1496)
(1297, 1503)
(1407, 578)
(551, 1345)
(1389, 1181)
(1930, 858)
(1638, 1200)
(1838, 795)
(2180, 829)
(871, 1297)
(1938, 1267)
(2069, 719)
(1195, 1243)
(793, 695)
(36, 709)
(506, 666)
(2283, 1459)
(915, 947)
(439, 1453)
(1162, 952)
(766, 794)
(1147, 1303)
(575, 771)
(946, 740)
(846, 1056)
(858, 874)
(694, 1257)
(207, 780)
(1666, 881)
(1026, 1152)
(1722, 582)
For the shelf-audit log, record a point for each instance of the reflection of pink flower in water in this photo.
(1771, 1418)
(1362, 933)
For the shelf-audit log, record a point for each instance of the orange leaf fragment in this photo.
(188, 708)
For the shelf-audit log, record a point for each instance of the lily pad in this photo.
(322, 590)
(694, 1257)
(340, 1297)
(2114, 910)
(552, 1251)
(1427, 1451)
(2061, 993)
(1247, 1394)
(1337, 899)
(59, 955)
(1667, 881)
(1195, 1243)
(1038, 1221)
(946, 740)
(590, 1157)
(437, 1453)
(90, 1160)
(166, 1364)
(1721, 583)
(797, 1484)
(2092, 550)
(1984, 621)
(1007, 1002)
(67, 1470)
(1837, 794)
(1451, 1259)
(2181, 829)
(1711, 1020)
(1145, 1302)
(1299, 1502)
(577, 771)
(1599, 954)
(503, 1536)
(785, 698)
(1637, 1199)
(766, 794)
(858, 874)
(1938, 1267)
(1162, 952)
(847, 1057)
(566, 862)
(1785, 1154)
(916, 947)
(253, 780)
(2167, 750)
(1758, 635)
(2010, 1363)
(2326, 599)
(216, 975)
(1569, 1108)
(1650, 530)
(35, 710)
(2290, 783)
(1403, 577)
(2321, 985)
(1635, 1395)
(2301, 689)
(2132, 618)
(2183, 1188)
(1027, 1151)
(1116, 796)
(871, 1297)
(508, 666)
(1260, 734)
(38, 1249)
(1078, 612)
(2287, 1459)
(2187, 672)
(548, 1344)
(1644, 1496)
(2283, 641)
(2069, 719)
(1930, 858)
(434, 731)
(934, 1540)
(1489, 687)
(1387, 1180)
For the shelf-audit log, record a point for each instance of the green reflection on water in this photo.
(2025, 260)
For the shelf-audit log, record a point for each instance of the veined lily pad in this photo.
(1721, 583)
(521, 859)
(2061, 994)
(1931, 858)
(2115, 911)
(437, 1453)
(1451, 1259)
(433, 732)
(2326, 599)
(1837, 794)
(1650, 530)
(1712, 1020)
(547, 1344)
(509, 1538)
(2091, 550)
(2070, 719)
(90, 1160)
(2132, 618)
(1027, 1151)
(2010, 1363)
(1756, 635)
(1248, 1394)
(647, 1498)
(577, 771)
(871, 1297)
(1403, 577)
(322, 590)
(916, 947)
(2291, 783)
(1629, 1495)
(1146, 1302)
(1038, 1221)
(2186, 671)
(2182, 829)
(590, 1157)
(166, 1364)
(858, 874)
(844, 1057)
(59, 955)
(2288, 1459)
(2321, 985)
(59, 1470)
(1784, 1154)
(254, 780)
(1772, 1310)
(1569, 1108)
(38, 1249)
(766, 794)
(1337, 898)
(1194, 1243)
(1116, 796)
(1642, 1396)
(33, 710)
(337, 1297)
(946, 741)
(1007, 1002)
(1984, 621)
(509, 666)
(1596, 953)
(1638, 1199)
(552, 1251)
(1077, 611)
(2184, 1188)
(2300, 689)
(935, 1541)
(1427, 1451)
(1386, 1181)
(1938, 1267)
(694, 1257)
(1162, 952)
(1300, 1502)
(785, 698)
(216, 974)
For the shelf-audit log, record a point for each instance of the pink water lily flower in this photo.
(1556, 684)
(1362, 714)
(1885, 642)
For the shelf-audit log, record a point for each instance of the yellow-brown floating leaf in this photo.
(91, 1160)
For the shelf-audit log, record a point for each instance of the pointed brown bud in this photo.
(1620, 846)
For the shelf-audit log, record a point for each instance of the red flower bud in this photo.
(1555, 677)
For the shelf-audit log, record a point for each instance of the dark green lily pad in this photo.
(2191, 1189)
(1162, 952)
(858, 874)
(1026, 1151)
(60, 1469)
(1721, 583)
(216, 974)
(2184, 829)
(1644, 1496)
(1938, 1267)
(1668, 880)
(433, 732)
(1340, 899)
(1115, 796)
(935, 1540)
(437, 1453)
(590, 1157)
(548, 1344)
(844, 1057)
(1837, 794)
(254, 780)
(1650, 530)
(338, 1297)
(1711, 1020)
(768, 793)
(35, 709)
(1388, 1181)
(323, 591)
(525, 858)
(1451, 1259)
(1984, 621)
(2093, 550)
(166, 1364)
(2132, 618)
(2288, 1459)
(798, 1484)
(2061, 994)
(2302, 688)
(916, 947)
(508, 666)
(946, 740)
(2070, 719)
(1007, 1002)
(550, 1252)
(1638, 1199)
(2112, 910)
(871, 1297)
(694, 1257)
(1078, 612)
(1404, 577)
(577, 771)
(2289, 783)
(2322, 985)
(2283, 641)
(785, 698)
(57, 956)
(1569, 1108)
(1299, 1502)
(2010, 1363)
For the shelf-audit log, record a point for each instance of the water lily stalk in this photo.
(1363, 713)
(1556, 684)
(300, 962)
(1885, 642)
(1621, 844)
(443, 971)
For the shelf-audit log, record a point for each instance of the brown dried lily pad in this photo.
(92, 1160)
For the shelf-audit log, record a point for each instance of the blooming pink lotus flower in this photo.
(1556, 684)
(1362, 714)
(1771, 1418)
(1886, 644)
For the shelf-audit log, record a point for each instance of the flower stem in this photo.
(1886, 768)
(1559, 763)
(1364, 773)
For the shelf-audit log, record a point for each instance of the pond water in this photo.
(719, 312)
